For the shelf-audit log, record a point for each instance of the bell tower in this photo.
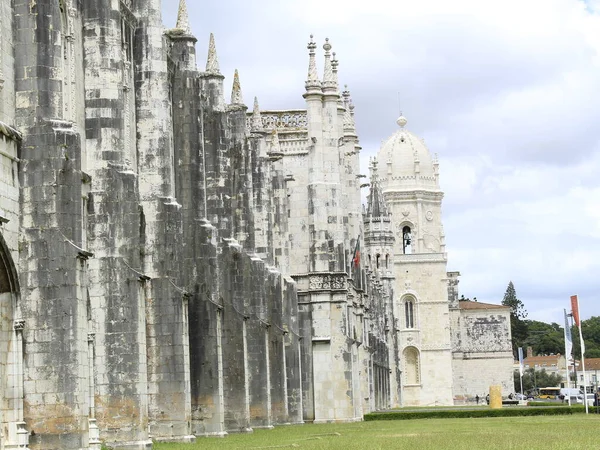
(412, 194)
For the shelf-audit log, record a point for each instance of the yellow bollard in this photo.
(495, 396)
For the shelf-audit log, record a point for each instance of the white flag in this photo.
(568, 339)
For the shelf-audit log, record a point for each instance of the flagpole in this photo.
(575, 311)
(521, 369)
(583, 367)
(522, 388)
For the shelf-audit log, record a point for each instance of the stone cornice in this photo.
(10, 132)
(214, 75)
(176, 34)
(421, 258)
(392, 195)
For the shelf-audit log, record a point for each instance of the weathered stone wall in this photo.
(51, 268)
(118, 286)
(482, 352)
(292, 341)
(422, 281)
(240, 309)
(181, 272)
(163, 252)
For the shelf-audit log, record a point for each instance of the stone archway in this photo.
(12, 433)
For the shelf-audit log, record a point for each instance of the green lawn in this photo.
(527, 433)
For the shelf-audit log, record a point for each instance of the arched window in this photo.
(406, 240)
(387, 261)
(411, 366)
(378, 256)
(409, 314)
(68, 62)
(128, 80)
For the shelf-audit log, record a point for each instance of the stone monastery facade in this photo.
(174, 266)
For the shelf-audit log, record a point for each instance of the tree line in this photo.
(547, 338)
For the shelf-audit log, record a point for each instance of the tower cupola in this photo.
(409, 164)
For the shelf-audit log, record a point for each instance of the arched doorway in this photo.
(11, 350)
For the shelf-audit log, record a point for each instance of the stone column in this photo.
(94, 431)
(18, 435)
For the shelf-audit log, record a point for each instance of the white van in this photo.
(570, 392)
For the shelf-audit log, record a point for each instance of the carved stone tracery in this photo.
(327, 282)
(283, 120)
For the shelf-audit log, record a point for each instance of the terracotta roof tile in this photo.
(592, 364)
(479, 305)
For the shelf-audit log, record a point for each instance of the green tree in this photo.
(590, 329)
(518, 327)
(517, 308)
(544, 338)
(591, 334)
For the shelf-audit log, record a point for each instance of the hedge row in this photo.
(559, 405)
(473, 413)
(552, 404)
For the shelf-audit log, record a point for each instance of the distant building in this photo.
(554, 363)
(481, 348)
(592, 373)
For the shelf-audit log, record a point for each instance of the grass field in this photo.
(518, 433)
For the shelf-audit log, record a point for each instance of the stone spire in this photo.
(329, 82)
(312, 82)
(334, 67)
(376, 207)
(349, 124)
(212, 62)
(183, 19)
(236, 91)
(256, 123)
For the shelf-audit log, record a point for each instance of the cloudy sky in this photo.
(507, 93)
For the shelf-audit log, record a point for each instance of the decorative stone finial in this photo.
(346, 96)
(328, 75)
(349, 124)
(212, 62)
(256, 118)
(313, 77)
(334, 68)
(183, 19)
(236, 91)
(402, 121)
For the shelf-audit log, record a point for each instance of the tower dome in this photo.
(406, 162)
